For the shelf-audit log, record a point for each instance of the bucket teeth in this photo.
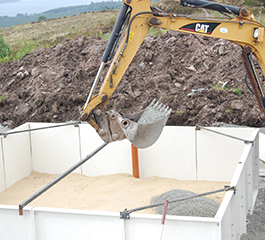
(153, 102)
(146, 126)
(154, 112)
(150, 125)
(159, 107)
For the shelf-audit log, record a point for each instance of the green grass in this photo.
(237, 91)
(105, 36)
(4, 48)
(2, 97)
(115, 103)
(22, 39)
(156, 31)
(22, 49)
(220, 86)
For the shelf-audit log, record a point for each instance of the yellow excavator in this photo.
(134, 21)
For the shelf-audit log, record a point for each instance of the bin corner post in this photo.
(135, 161)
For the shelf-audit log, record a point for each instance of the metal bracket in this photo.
(77, 124)
(174, 16)
(125, 215)
(249, 142)
(231, 188)
(198, 127)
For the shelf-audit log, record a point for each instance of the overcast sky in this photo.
(13, 7)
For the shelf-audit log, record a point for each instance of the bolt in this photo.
(104, 97)
(113, 116)
(244, 12)
(155, 21)
(101, 132)
(115, 136)
(84, 116)
(247, 49)
(98, 113)
(125, 124)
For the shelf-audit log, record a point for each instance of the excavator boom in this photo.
(133, 24)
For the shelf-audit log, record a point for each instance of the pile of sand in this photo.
(105, 193)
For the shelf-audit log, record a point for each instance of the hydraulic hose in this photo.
(211, 5)
(115, 33)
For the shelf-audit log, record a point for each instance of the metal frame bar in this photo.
(42, 128)
(224, 134)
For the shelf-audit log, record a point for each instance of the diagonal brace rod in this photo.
(126, 212)
(52, 183)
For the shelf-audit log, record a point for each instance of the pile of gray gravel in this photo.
(197, 207)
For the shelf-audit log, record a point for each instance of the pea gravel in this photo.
(197, 207)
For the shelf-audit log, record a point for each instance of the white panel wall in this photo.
(69, 225)
(173, 155)
(142, 227)
(236, 205)
(114, 158)
(55, 150)
(66, 224)
(181, 152)
(17, 156)
(217, 155)
(13, 226)
(262, 154)
(2, 172)
(262, 146)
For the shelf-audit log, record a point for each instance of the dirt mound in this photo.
(51, 85)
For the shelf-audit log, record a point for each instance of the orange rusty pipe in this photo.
(135, 162)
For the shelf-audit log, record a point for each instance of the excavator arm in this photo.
(136, 17)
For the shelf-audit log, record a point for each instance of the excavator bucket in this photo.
(146, 126)
(142, 129)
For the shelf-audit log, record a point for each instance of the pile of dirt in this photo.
(51, 85)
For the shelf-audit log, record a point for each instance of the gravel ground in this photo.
(256, 221)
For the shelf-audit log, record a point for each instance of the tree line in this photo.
(6, 21)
